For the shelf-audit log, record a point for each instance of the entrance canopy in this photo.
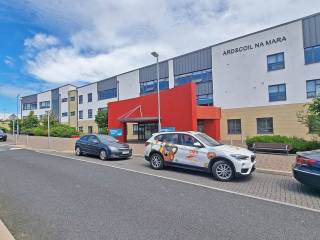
(179, 111)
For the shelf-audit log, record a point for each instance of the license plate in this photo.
(125, 152)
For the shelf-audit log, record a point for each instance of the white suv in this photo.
(198, 151)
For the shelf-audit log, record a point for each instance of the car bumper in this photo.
(306, 177)
(246, 168)
(120, 154)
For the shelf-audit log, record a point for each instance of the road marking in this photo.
(15, 148)
(187, 182)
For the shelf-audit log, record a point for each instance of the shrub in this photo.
(62, 130)
(298, 144)
(39, 131)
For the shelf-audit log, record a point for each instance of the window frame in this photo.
(80, 99)
(277, 63)
(234, 130)
(80, 114)
(259, 131)
(89, 96)
(316, 83)
(90, 113)
(314, 54)
(278, 96)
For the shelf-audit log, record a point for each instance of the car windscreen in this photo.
(209, 141)
(107, 138)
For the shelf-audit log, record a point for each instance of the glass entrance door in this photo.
(145, 130)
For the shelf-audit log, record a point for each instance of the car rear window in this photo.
(168, 138)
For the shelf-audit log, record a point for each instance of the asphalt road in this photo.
(48, 197)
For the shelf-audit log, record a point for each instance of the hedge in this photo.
(60, 130)
(298, 144)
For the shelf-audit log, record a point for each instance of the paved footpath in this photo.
(50, 197)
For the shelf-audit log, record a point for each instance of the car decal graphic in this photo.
(211, 155)
(168, 150)
(191, 155)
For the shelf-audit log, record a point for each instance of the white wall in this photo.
(129, 85)
(171, 73)
(242, 80)
(45, 96)
(92, 88)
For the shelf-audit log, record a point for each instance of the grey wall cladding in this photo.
(29, 99)
(191, 62)
(55, 99)
(311, 31)
(149, 73)
(106, 84)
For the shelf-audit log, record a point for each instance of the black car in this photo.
(3, 136)
(307, 168)
(104, 146)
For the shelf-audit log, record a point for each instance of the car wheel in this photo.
(103, 155)
(156, 161)
(223, 171)
(78, 151)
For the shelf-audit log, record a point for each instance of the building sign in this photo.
(254, 46)
(115, 132)
(168, 129)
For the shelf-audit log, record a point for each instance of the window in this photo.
(135, 129)
(72, 99)
(152, 86)
(44, 104)
(64, 100)
(89, 113)
(89, 129)
(80, 129)
(313, 88)
(168, 138)
(106, 94)
(275, 61)
(234, 126)
(277, 93)
(29, 106)
(80, 114)
(72, 113)
(312, 55)
(186, 140)
(89, 97)
(80, 99)
(264, 125)
(203, 79)
(64, 114)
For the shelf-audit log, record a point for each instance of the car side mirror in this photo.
(197, 145)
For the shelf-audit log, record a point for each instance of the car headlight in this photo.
(240, 156)
(113, 149)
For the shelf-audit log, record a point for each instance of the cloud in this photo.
(9, 61)
(105, 38)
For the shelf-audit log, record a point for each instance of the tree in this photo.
(31, 121)
(52, 119)
(311, 116)
(101, 120)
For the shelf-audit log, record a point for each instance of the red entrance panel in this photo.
(178, 109)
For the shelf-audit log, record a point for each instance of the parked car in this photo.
(3, 136)
(104, 146)
(307, 168)
(198, 151)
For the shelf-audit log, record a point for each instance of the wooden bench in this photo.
(272, 147)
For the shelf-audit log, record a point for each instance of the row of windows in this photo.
(44, 104)
(29, 106)
(312, 54)
(203, 80)
(107, 94)
(264, 126)
(152, 86)
(89, 97)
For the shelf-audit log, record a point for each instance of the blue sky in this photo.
(45, 44)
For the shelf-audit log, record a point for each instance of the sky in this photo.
(45, 44)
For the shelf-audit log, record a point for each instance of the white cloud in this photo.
(104, 38)
(12, 91)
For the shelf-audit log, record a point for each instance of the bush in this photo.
(39, 131)
(62, 130)
(298, 144)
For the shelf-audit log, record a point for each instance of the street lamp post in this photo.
(18, 97)
(156, 55)
(48, 113)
